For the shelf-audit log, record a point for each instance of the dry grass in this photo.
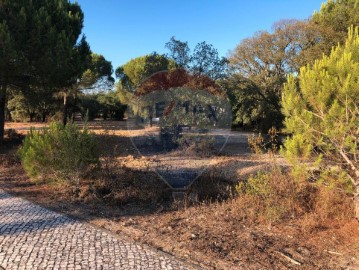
(220, 231)
(277, 197)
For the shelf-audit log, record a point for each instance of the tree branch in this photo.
(350, 163)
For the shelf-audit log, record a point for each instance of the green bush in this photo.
(58, 153)
(274, 194)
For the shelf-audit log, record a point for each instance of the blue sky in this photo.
(124, 29)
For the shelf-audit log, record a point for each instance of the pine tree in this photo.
(321, 106)
(38, 46)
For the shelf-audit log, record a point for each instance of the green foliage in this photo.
(321, 109)
(40, 46)
(259, 65)
(104, 104)
(204, 60)
(338, 15)
(98, 75)
(250, 106)
(326, 29)
(90, 107)
(255, 185)
(37, 105)
(335, 178)
(43, 39)
(19, 109)
(179, 52)
(58, 153)
(138, 69)
(111, 107)
(274, 193)
(258, 68)
(134, 72)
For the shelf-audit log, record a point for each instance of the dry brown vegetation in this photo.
(295, 225)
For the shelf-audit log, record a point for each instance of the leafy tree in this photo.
(322, 110)
(71, 79)
(259, 66)
(98, 76)
(249, 106)
(203, 61)
(134, 72)
(138, 69)
(37, 104)
(38, 45)
(111, 106)
(103, 104)
(338, 15)
(201, 67)
(19, 109)
(206, 61)
(305, 42)
(179, 52)
(324, 30)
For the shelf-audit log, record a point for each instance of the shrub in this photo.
(275, 196)
(58, 152)
(197, 145)
(264, 143)
(273, 193)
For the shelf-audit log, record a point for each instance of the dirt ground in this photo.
(210, 234)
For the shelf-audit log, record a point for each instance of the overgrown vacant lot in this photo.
(215, 228)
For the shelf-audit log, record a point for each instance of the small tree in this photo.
(59, 153)
(321, 107)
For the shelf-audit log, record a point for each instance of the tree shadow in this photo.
(19, 216)
(34, 225)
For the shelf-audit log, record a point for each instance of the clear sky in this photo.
(124, 29)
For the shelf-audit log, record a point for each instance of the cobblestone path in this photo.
(32, 237)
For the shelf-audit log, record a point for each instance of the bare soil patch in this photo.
(212, 234)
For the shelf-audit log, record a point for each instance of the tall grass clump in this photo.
(58, 153)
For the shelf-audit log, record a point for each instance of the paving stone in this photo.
(32, 237)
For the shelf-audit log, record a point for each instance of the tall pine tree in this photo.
(39, 46)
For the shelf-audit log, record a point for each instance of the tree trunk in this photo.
(43, 120)
(151, 116)
(355, 182)
(356, 202)
(64, 112)
(73, 110)
(2, 110)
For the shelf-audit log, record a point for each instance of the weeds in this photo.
(278, 196)
(268, 143)
(196, 145)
